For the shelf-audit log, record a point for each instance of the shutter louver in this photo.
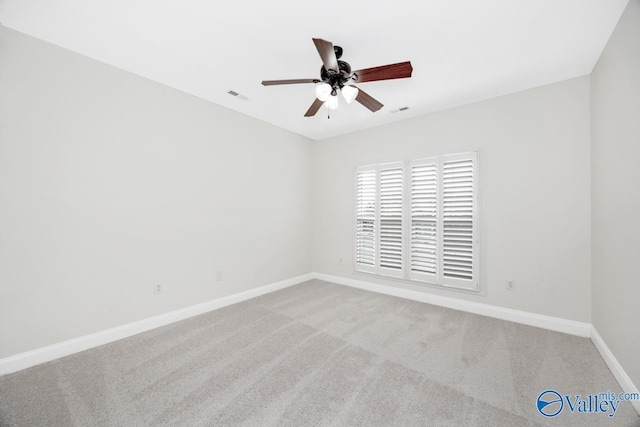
(458, 195)
(366, 219)
(424, 216)
(391, 212)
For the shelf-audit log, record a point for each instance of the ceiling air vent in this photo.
(237, 95)
(400, 109)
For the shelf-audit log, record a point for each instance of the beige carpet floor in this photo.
(317, 354)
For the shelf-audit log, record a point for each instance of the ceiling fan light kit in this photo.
(335, 75)
(350, 93)
(332, 102)
(324, 92)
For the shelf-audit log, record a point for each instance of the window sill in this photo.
(479, 291)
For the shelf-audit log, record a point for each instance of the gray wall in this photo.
(535, 173)
(615, 133)
(111, 183)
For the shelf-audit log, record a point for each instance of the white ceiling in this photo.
(462, 51)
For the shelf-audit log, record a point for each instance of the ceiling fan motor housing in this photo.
(336, 80)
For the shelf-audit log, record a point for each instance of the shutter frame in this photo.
(424, 228)
(366, 228)
(459, 221)
(391, 221)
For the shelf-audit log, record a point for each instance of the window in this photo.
(419, 220)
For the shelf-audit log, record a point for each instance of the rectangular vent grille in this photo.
(237, 95)
(399, 109)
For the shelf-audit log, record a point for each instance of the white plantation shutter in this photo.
(391, 242)
(366, 195)
(419, 220)
(424, 227)
(458, 195)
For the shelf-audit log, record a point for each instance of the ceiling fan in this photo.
(336, 75)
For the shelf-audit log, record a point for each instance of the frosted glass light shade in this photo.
(332, 102)
(323, 91)
(349, 93)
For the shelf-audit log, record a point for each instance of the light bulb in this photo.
(323, 90)
(349, 93)
(332, 102)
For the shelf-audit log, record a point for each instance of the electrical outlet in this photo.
(510, 285)
(341, 261)
(219, 275)
(158, 289)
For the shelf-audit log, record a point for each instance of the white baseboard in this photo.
(614, 366)
(55, 351)
(557, 324)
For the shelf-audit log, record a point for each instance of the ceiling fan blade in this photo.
(314, 108)
(288, 82)
(368, 101)
(328, 55)
(400, 70)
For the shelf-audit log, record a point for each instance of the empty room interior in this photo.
(206, 220)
